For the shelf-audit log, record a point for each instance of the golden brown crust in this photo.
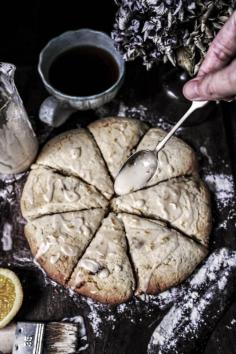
(107, 297)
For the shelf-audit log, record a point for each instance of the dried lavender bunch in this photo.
(176, 30)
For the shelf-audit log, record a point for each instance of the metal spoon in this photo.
(142, 165)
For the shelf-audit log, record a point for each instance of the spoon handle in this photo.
(195, 105)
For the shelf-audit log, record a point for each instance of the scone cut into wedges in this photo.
(117, 138)
(58, 241)
(162, 257)
(104, 272)
(109, 247)
(183, 202)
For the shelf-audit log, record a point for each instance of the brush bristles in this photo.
(60, 338)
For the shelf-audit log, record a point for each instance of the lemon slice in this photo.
(11, 296)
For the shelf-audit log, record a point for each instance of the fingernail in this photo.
(190, 90)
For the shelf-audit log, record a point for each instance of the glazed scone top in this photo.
(72, 180)
(76, 153)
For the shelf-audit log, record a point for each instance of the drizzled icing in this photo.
(90, 265)
(52, 186)
(104, 247)
(182, 202)
(175, 159)
(62, 244)
(116, 138)
(79, 157)
(162, 246)
(48, 192)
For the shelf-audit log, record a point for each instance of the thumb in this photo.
(213, 86)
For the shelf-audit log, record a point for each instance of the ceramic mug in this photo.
(58, 107)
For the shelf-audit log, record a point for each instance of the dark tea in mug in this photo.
(83, 71)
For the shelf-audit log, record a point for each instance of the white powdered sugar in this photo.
(95, 322)
(187, 315)
(223, 187)
(138, 111)
(7, 237)
(205, 153)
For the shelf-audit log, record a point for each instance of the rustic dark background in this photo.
(22, 37)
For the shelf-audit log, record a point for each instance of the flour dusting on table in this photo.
(187, 318)
(223, 187)
(7, 237)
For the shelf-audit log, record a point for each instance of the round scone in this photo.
(110, 247)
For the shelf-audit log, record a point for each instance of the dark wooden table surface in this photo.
(21, 44)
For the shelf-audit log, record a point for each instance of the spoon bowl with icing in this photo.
(142, 165)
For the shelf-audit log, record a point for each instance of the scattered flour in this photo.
(95, 322)
(223, 187)
(186, 318)
(205, 153)
(232, 324)
(138, 111)
(7, 237)
(11, 178)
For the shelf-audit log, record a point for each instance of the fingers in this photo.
(213, 86)
(222, 49)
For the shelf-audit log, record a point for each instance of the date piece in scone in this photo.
(104, 272)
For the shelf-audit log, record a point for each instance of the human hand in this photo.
(216, 78)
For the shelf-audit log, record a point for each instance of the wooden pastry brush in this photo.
(40, 338)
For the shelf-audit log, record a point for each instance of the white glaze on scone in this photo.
(161, 256)
(75, 153)
(104, 272)
(58, 241)
(182, 202)
(175, 159)
(116, 138)
(47, 192)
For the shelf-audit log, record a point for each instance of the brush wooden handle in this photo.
(7, 336)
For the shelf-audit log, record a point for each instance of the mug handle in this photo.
(53, 112)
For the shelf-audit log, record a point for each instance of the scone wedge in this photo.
(182, 202)
(175, 159)
(116, 138)
(58, 241)
(161, 256)
(47, 192)
(104, 272)
(75, 153)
